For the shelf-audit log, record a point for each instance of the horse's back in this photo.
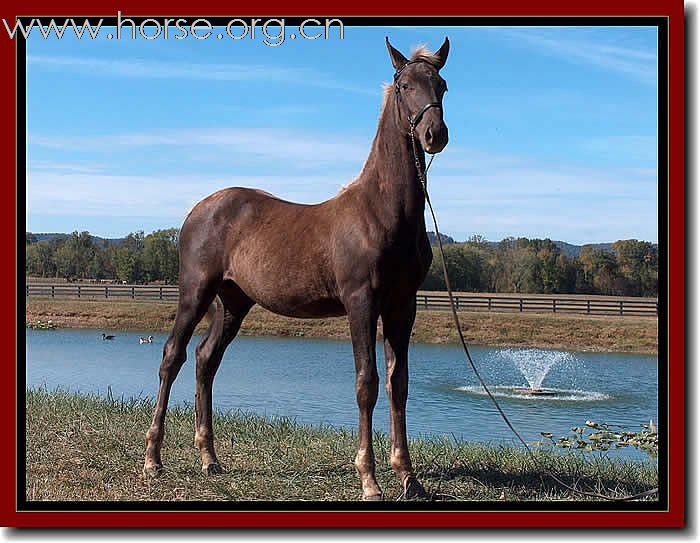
(278, 252)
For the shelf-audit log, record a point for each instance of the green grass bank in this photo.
(91, 448)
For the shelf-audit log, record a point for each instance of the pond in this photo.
(312, 381)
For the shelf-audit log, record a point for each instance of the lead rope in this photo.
(422, 177)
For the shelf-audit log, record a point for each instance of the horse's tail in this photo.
(215, 308)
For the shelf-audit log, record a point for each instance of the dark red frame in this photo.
(674, 517)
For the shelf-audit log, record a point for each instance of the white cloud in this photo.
(66, 167)
(635, 63)
(567, 203)
(561, 203)
(281, 144)
(492, 193)
(144, 69)
(61, 193)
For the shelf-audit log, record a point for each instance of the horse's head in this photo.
(419, 89)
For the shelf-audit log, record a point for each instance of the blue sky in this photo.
(553, 131)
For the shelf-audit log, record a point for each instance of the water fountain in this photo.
(535, 365)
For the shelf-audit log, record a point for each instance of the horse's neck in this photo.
(390, 175)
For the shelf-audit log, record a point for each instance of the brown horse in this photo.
(363, 254)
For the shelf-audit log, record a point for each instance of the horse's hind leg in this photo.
(225, 321)
(192, 306)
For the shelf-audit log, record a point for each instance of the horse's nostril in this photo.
(428, 136)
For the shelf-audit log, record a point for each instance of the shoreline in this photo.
(86, 447)
(580, 333)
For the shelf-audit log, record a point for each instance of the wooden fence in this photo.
(593, 305)
(598, 305)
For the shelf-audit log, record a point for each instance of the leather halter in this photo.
(415, 119)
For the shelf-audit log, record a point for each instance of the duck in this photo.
(104, 336)
(148, 339)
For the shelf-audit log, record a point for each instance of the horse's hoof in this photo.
(413, 489)
(212, 469)
(153, 470)
(373, 498)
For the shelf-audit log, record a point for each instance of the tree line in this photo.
(538, 266)
(532, 266)
(137, 259)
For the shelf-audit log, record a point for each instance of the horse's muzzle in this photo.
(434, 138)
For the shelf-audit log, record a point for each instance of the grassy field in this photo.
(88, 448)
(556, 331)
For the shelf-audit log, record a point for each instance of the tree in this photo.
(126, 264)
(40, 260)
(74, 255)
(476, 265)
(135, 242)
(568, 274)
(638, 265)
(160, 255)
(434, 279)
(101, 266)
(506, 279)
(128, 258)
(606, 278)
(551, 267)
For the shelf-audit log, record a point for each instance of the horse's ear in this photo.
(441, 54)
(397, 59)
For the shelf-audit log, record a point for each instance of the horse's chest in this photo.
(407, 266)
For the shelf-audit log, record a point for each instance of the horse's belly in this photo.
(304, 309)
(288, 291)
(295, 302)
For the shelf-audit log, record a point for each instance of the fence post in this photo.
(521, 305)
(133, 293)
(456, 302)
(160, 292)
(106, 292)
(622, 311)
(588, 306)
(489, 303)
(554, 305)
(78, 291)
(27, 293)
(425, 301)
(53, 294)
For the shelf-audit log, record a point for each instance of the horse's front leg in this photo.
(362, 316)
(398, 323)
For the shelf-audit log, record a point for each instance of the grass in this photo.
(556, 331)
(90, 448)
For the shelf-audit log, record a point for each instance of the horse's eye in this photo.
(404, 86)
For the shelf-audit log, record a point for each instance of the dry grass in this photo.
(557, 331)
(85, 448)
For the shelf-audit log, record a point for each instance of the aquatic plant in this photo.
(41, 325)
(594, 436)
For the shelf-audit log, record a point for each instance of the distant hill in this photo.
(446, 240)
(48, 236)
(568, 249)
(571, 250)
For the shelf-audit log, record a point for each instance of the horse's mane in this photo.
(420, 52)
